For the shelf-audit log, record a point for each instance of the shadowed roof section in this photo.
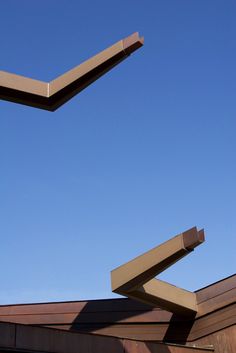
(51, 95)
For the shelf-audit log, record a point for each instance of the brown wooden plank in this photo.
(214, 322)
(216, 302)
(151, 347)
(140, 332)
(123, 304)
(72, 318)
(39, 339)
(47, 340)
(224, 341)
(216, 289)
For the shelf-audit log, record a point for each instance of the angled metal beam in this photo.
(51, 95)
(135, 279)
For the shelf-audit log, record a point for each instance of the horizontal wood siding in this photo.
(130, 319)
(23, 338)
(224, 341)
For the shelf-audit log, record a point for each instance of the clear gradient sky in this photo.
(146, 152)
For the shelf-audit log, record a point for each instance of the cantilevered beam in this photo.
(135, 279)
(51, 95)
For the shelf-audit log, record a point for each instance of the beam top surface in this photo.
(51, 95)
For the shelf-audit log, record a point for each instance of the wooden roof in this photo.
(127, 319)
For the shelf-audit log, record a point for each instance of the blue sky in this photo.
(141, 155)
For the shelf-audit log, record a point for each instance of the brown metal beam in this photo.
(51, 95)
(135, 279)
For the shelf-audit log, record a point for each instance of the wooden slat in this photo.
(38, 339)
(112, 305)
(214, 322)
(148, 332)
(216, 289)
(72, 318)
(224, 341)
(217, 302)
(151, 347)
